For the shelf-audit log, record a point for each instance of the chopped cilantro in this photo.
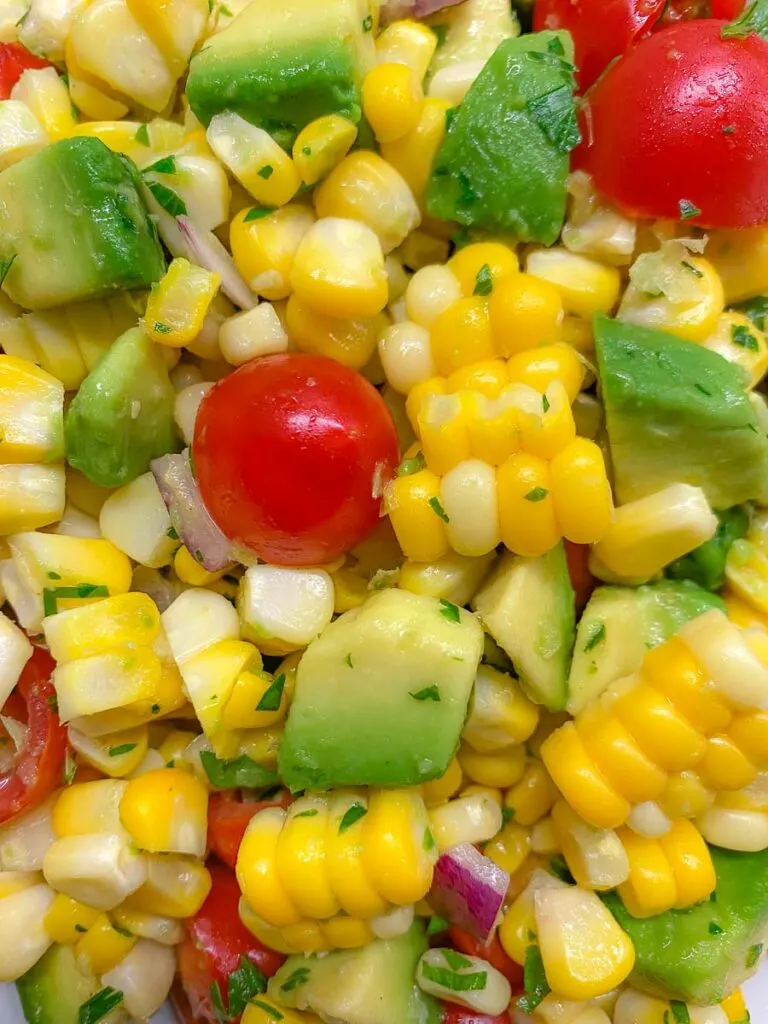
(437, 925)
(166, 165)
(680, 1011)
(534, 980)
(167, 199)
(449, 610)
(352, 815)
(537, 494)
(742, 335)
(161, 328)
(688, 210)
(413, 465)
(689, 266)
(453, 981)
(428, 842)
(269, 1010)
(714, 928)
(53, 576)
(5, 266)
(545, 403)
(596, 636)
(299, 977)
(309, 813)
(244, 983)
(122, 748)
(98, 1006)
(273, 695)
(507, 815)
(754, 955)
(171, 533)
(367, 23)
(125, 932)
(455, 960)
(483, 281)
(437, 508)
(240, 773)
(257, 212)
(266, 171)
(348, 660)
(428, 693)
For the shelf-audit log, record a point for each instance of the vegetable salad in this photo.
(384, 510)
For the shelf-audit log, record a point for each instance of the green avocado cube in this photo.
(677, 413)
(53, 991)
(281, 65)
(504, 161)
(381, 695)
(73, 226)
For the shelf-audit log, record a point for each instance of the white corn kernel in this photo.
(454, 82)
(256, 332)
(197, 619)
(99, 869)
(648, 819)
(27, 606)
(24, 843)
(144, 977)
(471, 819)
(406, 355)
(21, 134)
(468, 496)
(136, 521)
(745, 831)
(15, 652)
(430, 292)
(23, 939)
(186, 407)
(285, 607)
(491, 998)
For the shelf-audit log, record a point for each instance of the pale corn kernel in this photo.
(406, 355)
(489, 378)
(135, 519)
(595, 856)
(453, 82)
(431, 291)
(321, 145)
(31, 496)
(165, 811)
(45, 94)
(468, 496)
(397, 276)
(392, 101)
(491, 999)
(745, 831)
(407, 42)
(453, 578)
(187, 404)
(741, 261)
(739, 341)
(544, 841)
(499, 714)
(255, 159)
(99, 869)
(472, 819)
(21, 134)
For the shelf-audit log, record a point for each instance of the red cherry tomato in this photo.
(727, 9)
(453, 1014)
(493, 953)
(709, 150)
(292, 453)
(37, 770)
(218, 940)
(601, 29)
(14, 61)
(582, 580)
(228, 819)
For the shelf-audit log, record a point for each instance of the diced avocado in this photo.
(528, 607)
(53, 991)
(471, 31)
(281, 65)
(122, 416)
(504, 161)
(705, 565)
(677, 413)
(381, 695)
(74, 224)
(620, 624)
(756, 309)
(375, 984)
(680, 955)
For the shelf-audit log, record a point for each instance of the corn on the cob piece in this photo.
(673, 871)
(179, 303)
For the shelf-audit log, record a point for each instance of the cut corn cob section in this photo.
(31, 413)
(179, 303)
(31, 496)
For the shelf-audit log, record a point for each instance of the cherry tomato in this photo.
(601, 29)
(218, 940)
(14, 61)
(728, 9)
(582, 580)
(228, 818)
(706, 159)
(453, 1014)
(493, 953)
(292, 453)
(37, 769)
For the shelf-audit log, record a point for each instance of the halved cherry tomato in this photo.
(228, 818)
(706, 159)
(37, 769)
(582, 580)
(218, 940)
(453, 1014)
(14, 61)
(493, 953)
(292, 453)
(727, 9)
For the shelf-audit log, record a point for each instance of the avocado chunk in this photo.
(677, 413)
(375, 984)
(381, 695)
(705, 565)
(281, 65)
(528, 607)
(122, 416)
(679, 954)
(620, 624)
(504, 161)
(53, 991)
(73, 222)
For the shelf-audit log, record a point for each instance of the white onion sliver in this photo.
(468, 889)
(210, 253)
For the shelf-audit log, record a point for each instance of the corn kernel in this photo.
(255, 159)
(413, 505)
(525, 312)
(430, 292)
(581, 493)
(737, 339)
(462, 335)
(264, 247)
(580, 781)
(392, 101)
(595, 856)
(67, 920)
(103, 946)
(532, 797)
(586, 287)
(526, 510)
(46, 96)
(510, 848)
(175, 887)
(407, 42)
(351, 342)
(481, 266)
(538, 368)
(423, 249)
(413, 154)
(441, 790)
(321, 145)
(406, 355)
(741, 261)
(165, 811)
(394, 848)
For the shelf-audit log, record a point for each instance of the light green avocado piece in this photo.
(528, 607)
(53, 991)
(677, 413)
(375, 984)
(122, 416)
(705, 565)
(74, 224)
(680, 955)
(381, 695)
(281, 65)
(620, 624)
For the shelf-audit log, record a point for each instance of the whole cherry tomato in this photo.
(706, 159)
(601, 29)
(292, 453)
(228, 818)
(37, 768)
(493, 953)
(14, 61)
(727, 9)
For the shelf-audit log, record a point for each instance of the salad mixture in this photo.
(384, 510)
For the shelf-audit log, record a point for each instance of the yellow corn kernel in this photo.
(431, 290)
(174, 745)
(257, 870)
(350, 590)
(481, 266)
(526, 510)
(691, 863)
(339, 269)
(595, 856)
(442, 427)
(306, 936)
(741, 261)
(67, 920)
(468, 497)
(321, 145)
(267, 934)
(618, 757)
(189, 570)
(737, 339)
(518, 926)
(552, 428)
(366, 188)
(742, 614)
(676, 673)
(579, 335)
(301, 858)
(661, 732)
(500, 714)
(103, 946)
(684, 297)
(174, 26)
(500, 769)
(264, 247)
(422, 249)
(413, 505)
(735, 1008)
(495, 426)
(580, 781)
(30, 418)
(343, 932)
(86, 495)
(489, 378)
(413, 154)
(462, 335)
(651, 887)
(241, 710)
(540, 367)
(256, 160)
(354, 888)
(175, 887)
(392, 100)
(178, 305)
(581, 493)
(475, 818)
(62, 564)
(685, 796)
(261, 745)
(165, 811)
(532, 797)
(749, 732)
(264, 1012)
(407, 42)
(724, 766)
(395, 837)
(107, 682)
(585, 286)
(525, 313)
(46, 95)
(418, 396)
(351, 342)
(440, 790)
(90, 100)
(510, 848)
(117, 754)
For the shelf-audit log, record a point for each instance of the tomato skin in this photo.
(228, 819)
(38, 768)
(291, 453)
(494, 954)
(14, 61)
(582, 580)
(646, 164)
(727, 9)
(453, 1014)
(601, 29)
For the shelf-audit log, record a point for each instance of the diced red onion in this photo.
(392, 10)
(189, 516)
(468, 889)
(208, 252)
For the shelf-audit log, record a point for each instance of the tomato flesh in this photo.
(228, 818)
(292, 453)
(678, 128)
(453, 1014)
(727, 9)
(14, 61)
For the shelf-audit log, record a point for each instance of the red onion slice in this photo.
(189, 516)
(208, 251)
(468, 889)
(392, 10)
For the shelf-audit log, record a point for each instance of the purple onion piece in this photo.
(392, 10)
(189, 516)
(206, 250)
(468, 889)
